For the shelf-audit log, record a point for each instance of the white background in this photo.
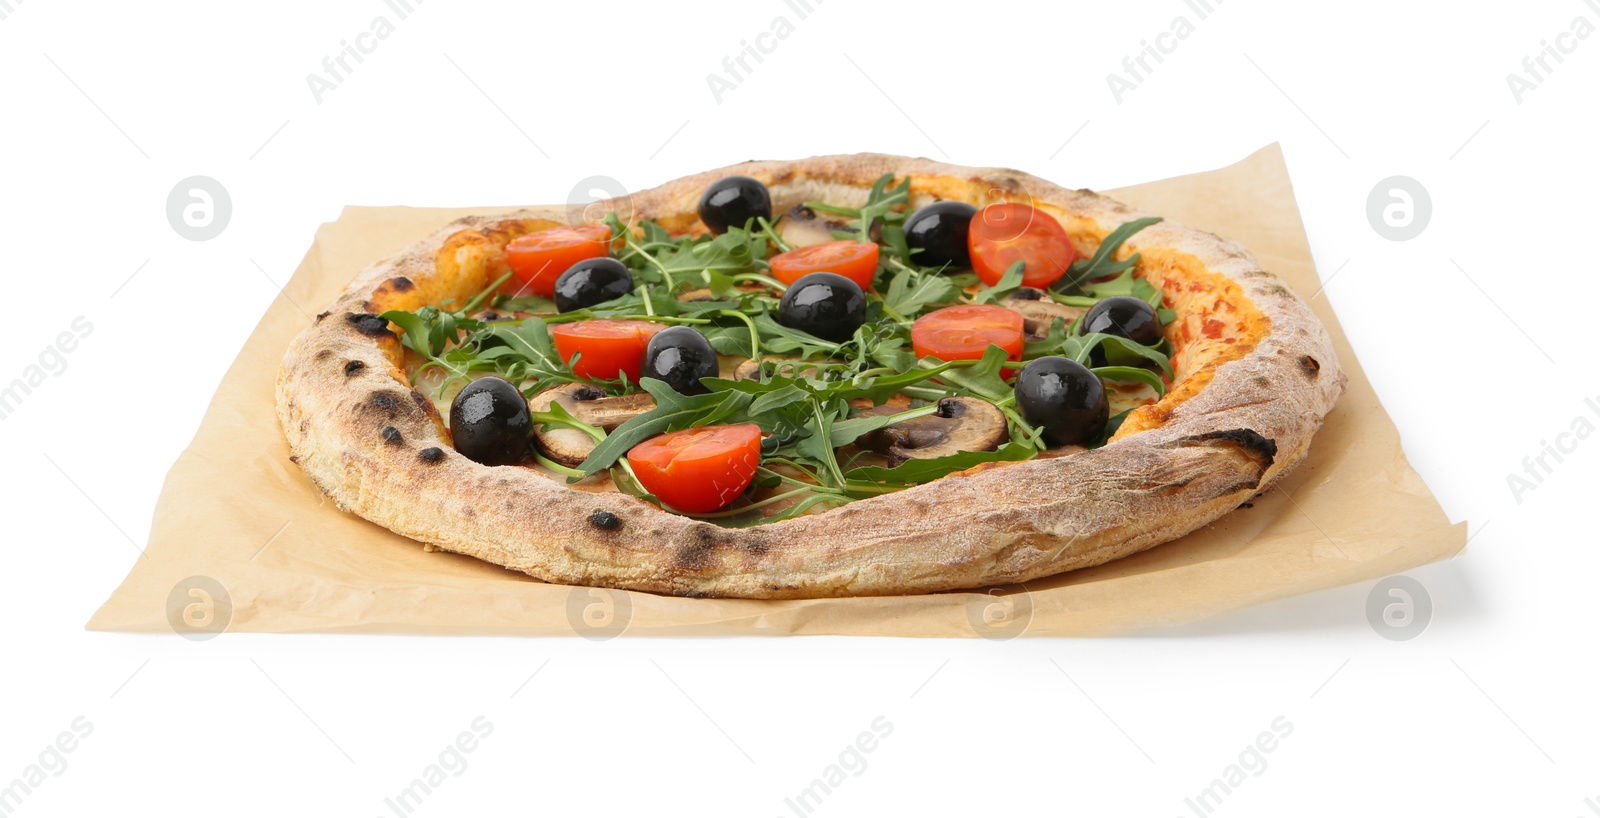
(1477, 335)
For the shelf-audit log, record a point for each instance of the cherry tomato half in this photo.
(698, 470)
(606, 349)
(1003, 234)
(964, 331)
(540, 257)
(855, 260)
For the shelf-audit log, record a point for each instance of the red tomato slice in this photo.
(963, 332)
(1003, 234)
(607, 349)
(855, 260)
(540, 257)
(698, 470)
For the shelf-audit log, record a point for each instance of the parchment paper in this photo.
(235, 510)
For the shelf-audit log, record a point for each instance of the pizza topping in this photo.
(802, 227)
(681, 357)
(958, 424)
(965, 332)
(698, 470)
(1003, 234)
(937, 234)
(1125, 317)
(540, 257)
(825, 305)
(590, 282)
(855, 260)
(1039, 311)
(604, 349)
(919, 367)
(588, 405)
(1064, 399)
(734, 201)
(489, 422)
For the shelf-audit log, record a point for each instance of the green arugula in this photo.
(1100, 264)
(802, 403)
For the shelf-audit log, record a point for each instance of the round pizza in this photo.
(845, 375)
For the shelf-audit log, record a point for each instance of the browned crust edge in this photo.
(1251, 423)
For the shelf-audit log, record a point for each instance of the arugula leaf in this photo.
(672, 413)
(914, 472)
(1132, 373)
(788, 341)
(1100, 264)
(981, 379)
(1119, 348)
(911, 291)
(1009, 281)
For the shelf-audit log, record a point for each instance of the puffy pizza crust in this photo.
(1256, 376)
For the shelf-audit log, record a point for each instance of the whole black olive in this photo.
(681, 356)
(1065, 399)
(937, 234)
(733, 201)
(1125, 317)
(489, 422)
(592, 281)
(826, 305)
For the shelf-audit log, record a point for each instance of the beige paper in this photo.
(236, 510)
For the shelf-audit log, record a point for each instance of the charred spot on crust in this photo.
(1248, 439)
(401, 284)
(353, 367)
(391, 434)
(1276, 290)
(697, 554)
(605, 520)
(383, 402)
(372, 326)
(322, 315)
(324, 353)
(422, 401)
(432, 454)
(1311, 367)
(1262, 450)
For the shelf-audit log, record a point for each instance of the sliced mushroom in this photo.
(589, 404)
(702, 294)
(803, 227)
(1039, 310)
(961, 424)
(748, 370)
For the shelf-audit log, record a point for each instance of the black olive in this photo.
(937, 234)
(826, 305)
(489, 422)
(1125, 317)
(733, 201)
(1065, 399)
(592, 281)
(681, 356)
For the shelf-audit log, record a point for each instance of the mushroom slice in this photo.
(802, 227)
(961, 424)
(1038, 310)
(702, 294)
(589, 404)
(749, 370)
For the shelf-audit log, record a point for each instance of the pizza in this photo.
(844, 375)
